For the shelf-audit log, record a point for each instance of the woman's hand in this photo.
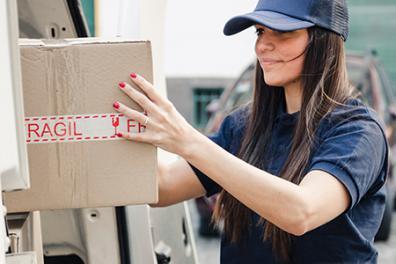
(165, 126)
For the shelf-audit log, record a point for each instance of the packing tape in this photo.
(70, 128)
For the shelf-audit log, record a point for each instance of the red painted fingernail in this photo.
(119, 135)
(121, 84)
(116, 105)
(133, 75)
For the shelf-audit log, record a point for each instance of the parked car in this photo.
(369, 78)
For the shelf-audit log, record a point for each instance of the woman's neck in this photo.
(293, 96)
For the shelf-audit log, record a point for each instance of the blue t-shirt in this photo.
(352, 147)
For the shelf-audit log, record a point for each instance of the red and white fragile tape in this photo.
(52, 129)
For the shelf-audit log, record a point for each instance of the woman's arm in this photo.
(296, 209)
(177, 183)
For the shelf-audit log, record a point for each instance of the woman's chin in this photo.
(273, 82)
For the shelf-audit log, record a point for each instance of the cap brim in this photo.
(270, 19)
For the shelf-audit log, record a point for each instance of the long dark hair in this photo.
(325, 85)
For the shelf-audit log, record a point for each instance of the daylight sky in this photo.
(195, 44)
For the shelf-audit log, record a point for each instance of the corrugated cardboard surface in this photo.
(74, 77)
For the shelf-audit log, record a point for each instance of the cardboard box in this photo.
(75, 159)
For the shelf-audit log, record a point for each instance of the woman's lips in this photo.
(269, 62)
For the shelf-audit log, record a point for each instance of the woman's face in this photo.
(281, 54)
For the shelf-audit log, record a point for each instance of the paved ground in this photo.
(208, 249)
(387, 250)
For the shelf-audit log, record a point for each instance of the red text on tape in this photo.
(52, 129)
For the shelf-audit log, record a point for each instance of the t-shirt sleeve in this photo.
(223, 139)
(355, 152)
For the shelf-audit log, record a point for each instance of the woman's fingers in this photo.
(165, 126)
(149, 89)
(130, 113)
(139, 137)
(139, 117)
(138, 97)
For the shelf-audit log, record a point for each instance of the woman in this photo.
(301, 169)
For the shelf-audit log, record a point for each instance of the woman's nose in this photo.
(263, 44)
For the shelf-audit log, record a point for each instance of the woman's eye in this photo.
(259, 31)
(278, 34)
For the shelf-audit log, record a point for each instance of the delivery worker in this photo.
(301, 168)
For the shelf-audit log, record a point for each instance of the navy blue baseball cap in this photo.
(289, 15)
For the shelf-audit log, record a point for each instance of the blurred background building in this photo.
(200, 62)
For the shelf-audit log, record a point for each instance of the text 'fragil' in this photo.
(79, 128)
(59, 129)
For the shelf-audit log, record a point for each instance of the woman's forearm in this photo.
(279, 201)
(177, 183)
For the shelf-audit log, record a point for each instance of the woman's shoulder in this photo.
(353, 113)
(233, 124)
(238, 118)
(240, 113)
(352, 146)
